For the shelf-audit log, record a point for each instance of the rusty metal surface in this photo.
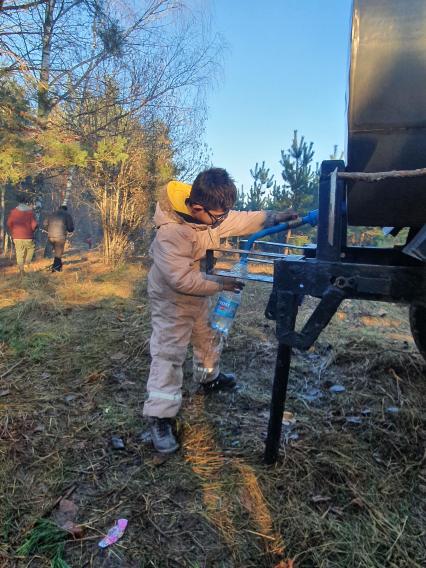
(387, 111)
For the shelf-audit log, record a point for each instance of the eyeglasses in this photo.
(216, 219)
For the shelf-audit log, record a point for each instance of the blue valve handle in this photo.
(310, 219)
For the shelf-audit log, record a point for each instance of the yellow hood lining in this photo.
(178, 192)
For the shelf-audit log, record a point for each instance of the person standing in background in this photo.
(58, 224)
(22, 225)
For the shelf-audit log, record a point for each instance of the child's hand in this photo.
(233, 285)
(284, 216)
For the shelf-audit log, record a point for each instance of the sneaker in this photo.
(162, 435)
(224, 381)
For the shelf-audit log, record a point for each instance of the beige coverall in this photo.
(179, 296)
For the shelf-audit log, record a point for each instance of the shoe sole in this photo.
(166, 452)
(221, 389)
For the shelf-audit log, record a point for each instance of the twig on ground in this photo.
(8, 371)
(65, 495)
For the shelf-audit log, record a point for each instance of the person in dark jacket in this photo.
(58, 225)
(21, 225)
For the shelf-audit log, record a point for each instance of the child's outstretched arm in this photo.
(241, 223)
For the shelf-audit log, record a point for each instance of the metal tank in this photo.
(387, 111)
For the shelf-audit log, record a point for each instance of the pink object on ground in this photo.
(115, 533)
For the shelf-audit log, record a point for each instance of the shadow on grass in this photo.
(73, 364)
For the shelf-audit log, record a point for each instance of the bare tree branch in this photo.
(16, 7)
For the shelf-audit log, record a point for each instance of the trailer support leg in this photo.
(279, 390)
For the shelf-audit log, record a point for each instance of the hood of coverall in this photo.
(171, 202)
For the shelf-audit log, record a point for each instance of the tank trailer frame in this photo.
(333, 272)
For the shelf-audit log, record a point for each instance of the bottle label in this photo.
(226, 308)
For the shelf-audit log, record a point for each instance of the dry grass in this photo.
(349, 490)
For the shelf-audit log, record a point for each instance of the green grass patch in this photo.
(48, 540)
(117, 274)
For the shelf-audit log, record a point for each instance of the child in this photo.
(189, 221)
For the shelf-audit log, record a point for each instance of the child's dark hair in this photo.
(214, 189)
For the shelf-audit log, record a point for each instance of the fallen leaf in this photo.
(117, 356)
(337, 389)
(285, 564)
(288, 419)
(75, 530)
(311, 395)
(320, 498)
(293, 436)
(159, 459)
(96, 376)
(358, 502)
(69, 398)
(354, 419)
(65, 515)
(68, 507)
(117, 443)
(4, 392)
(378, 458)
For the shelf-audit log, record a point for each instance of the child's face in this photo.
(211, 217)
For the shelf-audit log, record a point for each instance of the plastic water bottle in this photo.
(225, 310)
(212, 353)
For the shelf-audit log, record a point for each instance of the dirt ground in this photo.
(348, 491)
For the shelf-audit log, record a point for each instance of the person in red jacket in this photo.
(21, 224)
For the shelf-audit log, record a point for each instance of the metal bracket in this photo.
(319, 319)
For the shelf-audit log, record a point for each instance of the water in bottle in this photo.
(205, 368)
(225, 310)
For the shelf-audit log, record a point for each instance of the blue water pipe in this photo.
(310, 218)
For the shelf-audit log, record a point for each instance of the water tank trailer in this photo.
(382, 184)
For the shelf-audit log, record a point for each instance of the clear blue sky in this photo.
(285, 68)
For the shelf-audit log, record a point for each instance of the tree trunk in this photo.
(2, 217)
(68, 188)
(43, 86)
(286, 238)
(8, 245)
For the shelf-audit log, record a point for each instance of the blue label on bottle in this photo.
(226, 308)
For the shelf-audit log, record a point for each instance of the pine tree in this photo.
(279, 198)
(240, 204)
(17, 145)
(300, 180)
(262, 181)
(336, 155)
